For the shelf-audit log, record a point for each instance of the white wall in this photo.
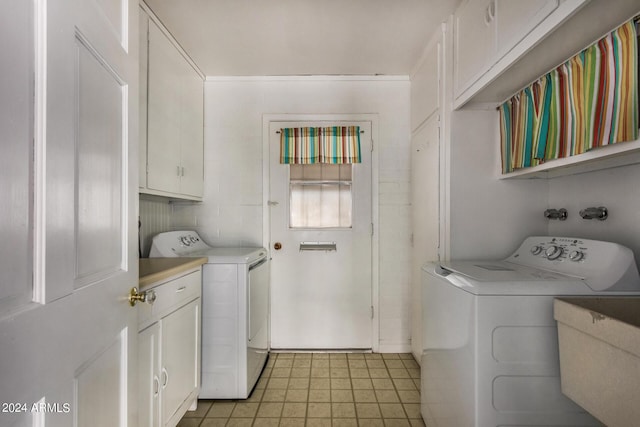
(489, 217)
(616, 189)
(231, 213)
(155, 217)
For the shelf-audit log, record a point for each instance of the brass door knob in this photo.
(134, 296)
(277, 246)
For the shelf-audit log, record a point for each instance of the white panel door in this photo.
(425, 195)
(320, 299)
(426, 86)
(67, 329)
(16, 130)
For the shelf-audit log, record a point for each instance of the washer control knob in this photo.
(576, 256)
(536, 250)
(185, 240)
(553, 252)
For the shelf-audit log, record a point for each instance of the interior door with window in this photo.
(321, 236)
(68, 185)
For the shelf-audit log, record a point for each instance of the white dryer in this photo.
(490, 347)
(235, 312)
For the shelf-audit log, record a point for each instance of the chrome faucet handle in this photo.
(560, 214)
(601, 213)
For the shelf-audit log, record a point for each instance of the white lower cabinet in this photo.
(148, 376)
(169, 343)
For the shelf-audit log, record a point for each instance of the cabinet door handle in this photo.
(178, 170)
(156, 386)
(490, 13)
(182, 171)
(165, 378)
(180, 289)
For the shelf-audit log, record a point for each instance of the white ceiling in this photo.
(303, 37)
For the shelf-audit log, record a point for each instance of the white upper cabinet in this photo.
(487, 33)
(191, 135)
(475, 42)
(531, 37)
(516, 18)
(164, 113)
(174, 118)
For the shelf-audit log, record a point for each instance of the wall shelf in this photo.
(610, 156)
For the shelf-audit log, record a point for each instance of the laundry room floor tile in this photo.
(323, 390)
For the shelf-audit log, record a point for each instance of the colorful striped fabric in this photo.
(307, 145)
(589, 101)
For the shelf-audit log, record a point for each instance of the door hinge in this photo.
(372, 312)
(372, 229)
(372, 144)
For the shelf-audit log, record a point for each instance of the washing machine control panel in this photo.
(188, 240)
(553, 252)
(603, 265)
(574, 256)
(536, 250)
(176, 243)
(560, 249)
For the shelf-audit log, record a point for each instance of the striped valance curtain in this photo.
(589, 101)
(307, 145)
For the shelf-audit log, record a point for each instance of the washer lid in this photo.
(504, 278)
(231, 255)
(503, 271)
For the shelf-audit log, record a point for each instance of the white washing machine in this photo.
(490, 346)
(235, 312)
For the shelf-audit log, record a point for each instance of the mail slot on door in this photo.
(318, 246)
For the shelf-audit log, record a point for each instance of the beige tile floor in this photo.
(323, 389)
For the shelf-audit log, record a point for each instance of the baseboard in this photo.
(387, 347)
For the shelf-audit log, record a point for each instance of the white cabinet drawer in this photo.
(170, 296)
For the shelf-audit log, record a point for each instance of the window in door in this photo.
(320, 196)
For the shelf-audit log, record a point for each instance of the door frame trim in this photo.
(267, 119)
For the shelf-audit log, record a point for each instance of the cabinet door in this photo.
(148, 376)
(475, 46)
(516, 18)
(180, 357)
(163, 110)
(191, 133)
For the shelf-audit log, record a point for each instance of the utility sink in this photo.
(599, 340)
